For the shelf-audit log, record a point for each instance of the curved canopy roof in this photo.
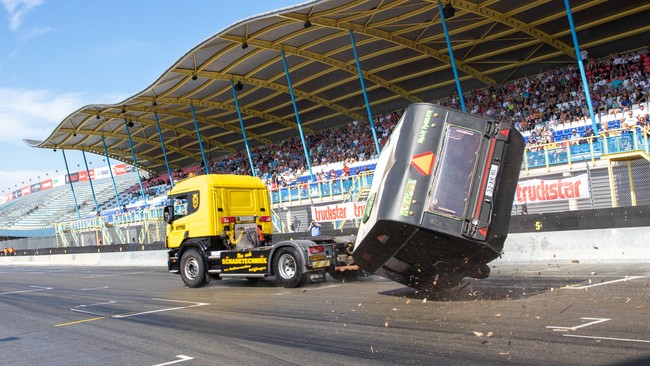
(403, 55)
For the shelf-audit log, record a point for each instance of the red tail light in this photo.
(316, 249)
(227, 220)
(265, 218)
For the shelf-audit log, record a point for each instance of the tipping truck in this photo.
(438, 211)
(440, 200)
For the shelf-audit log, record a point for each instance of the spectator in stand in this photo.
(575, 137)
(642, 115)
(588, 136)
(630, 120)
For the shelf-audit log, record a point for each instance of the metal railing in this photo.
(568, 152)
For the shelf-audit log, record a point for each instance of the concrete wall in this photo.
(150, 258)
(596, 245)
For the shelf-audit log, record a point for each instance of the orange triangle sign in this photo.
(505, 133)
(483, 231)
(423, 162)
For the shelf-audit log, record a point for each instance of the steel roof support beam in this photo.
(295, 109)
(451, 57)
(74, 196)
(110, 169)
(393, 38)
(243, 131)
(365, 95)
(514, 23)
(92, 190)
(135, 161)
(162, 145)
(585, 86)
(198, 134)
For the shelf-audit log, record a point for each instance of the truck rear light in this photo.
(265, 218)
(316, 249)
(227, 220)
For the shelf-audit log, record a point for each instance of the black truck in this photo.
(440, 201)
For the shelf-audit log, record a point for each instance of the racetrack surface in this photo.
(536, 314)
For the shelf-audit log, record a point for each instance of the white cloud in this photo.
(34, 114)
(28, 36)
(17, 10)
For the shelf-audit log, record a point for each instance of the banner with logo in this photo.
(58, 181)
(36, 187)
(545, 190)
(46, 184)
(343, 211)
(119, 169)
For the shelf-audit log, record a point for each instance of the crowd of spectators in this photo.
(537, 105)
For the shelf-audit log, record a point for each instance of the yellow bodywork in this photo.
(199, 204)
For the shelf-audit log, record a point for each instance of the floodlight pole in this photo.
(451, 57)
(198, 134)
(92, 190)
(295, 109)
(110, 170)
(74, 196)
(243, 131)
(162, 144)
(585, 85)
(365, 95)
(135, 162)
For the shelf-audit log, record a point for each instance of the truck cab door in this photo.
(178, 224)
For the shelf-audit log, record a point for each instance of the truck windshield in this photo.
(454, 173)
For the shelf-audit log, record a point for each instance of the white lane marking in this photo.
(557, 328)
(321, 288)
(602, 283)
(543, 270)
(183, 358)
(99, 303)
(608, 338)
(36, 288)
(94, 288)
(194, 304)
(100, 275)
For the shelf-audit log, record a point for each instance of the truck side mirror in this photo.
(168, 214)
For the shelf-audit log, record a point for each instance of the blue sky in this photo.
(59, 55)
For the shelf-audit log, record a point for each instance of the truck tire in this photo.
(288, 268)
(193, 269)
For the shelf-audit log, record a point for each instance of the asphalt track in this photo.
(535, 314)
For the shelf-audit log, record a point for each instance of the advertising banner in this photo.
(46, 184)
(36, 187)
(25, 191)
(119, 169)
(58, 181)
(343, 211)
(83, 175)
(539, 190)
(73, 177)
(101, 173)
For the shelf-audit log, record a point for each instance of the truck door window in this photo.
(180, 207)
(454, 173)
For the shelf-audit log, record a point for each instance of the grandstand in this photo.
(332, 114)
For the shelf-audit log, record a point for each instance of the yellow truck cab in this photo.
(220, 226)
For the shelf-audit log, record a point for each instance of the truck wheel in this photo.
(289, 271)
(344, 276)
(193, 269)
